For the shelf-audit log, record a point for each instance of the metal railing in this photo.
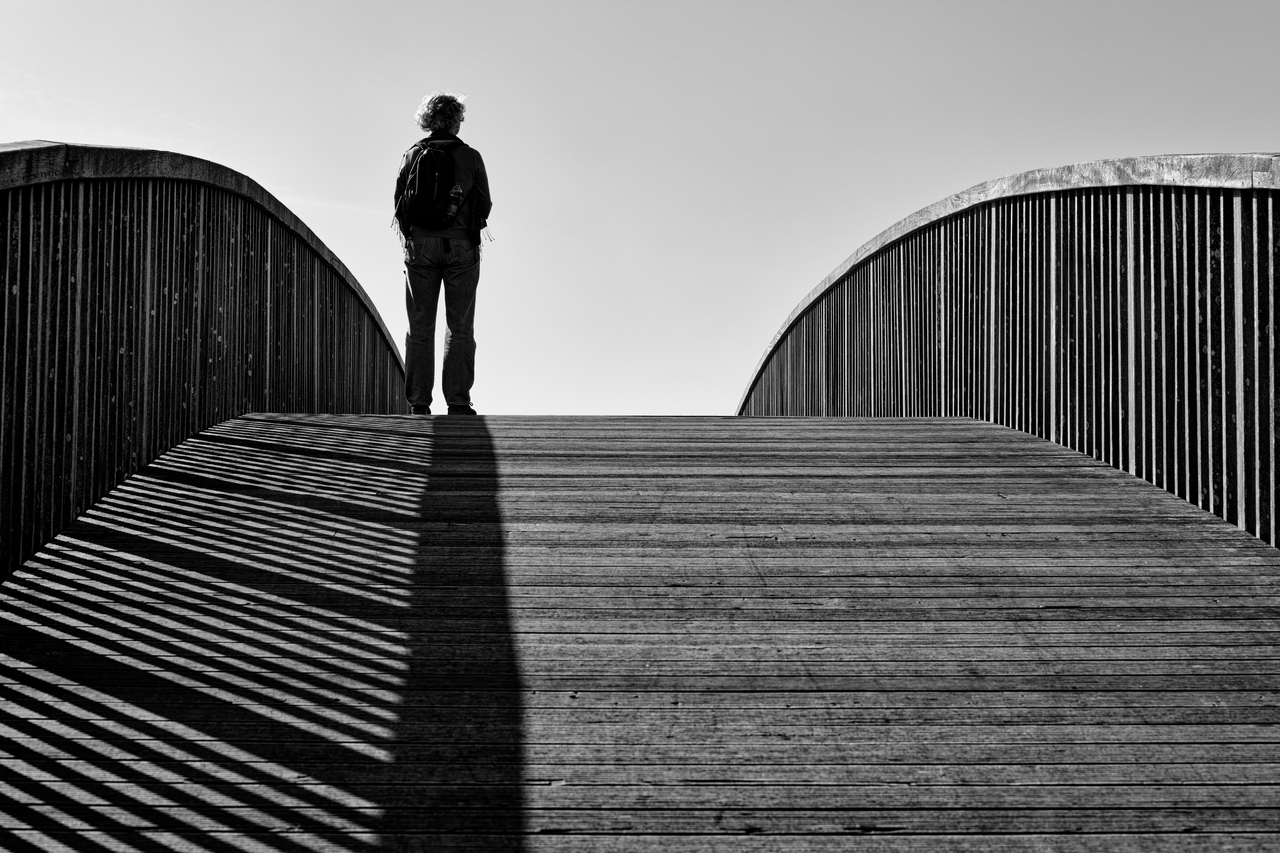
(146, 297)
(1126, 309)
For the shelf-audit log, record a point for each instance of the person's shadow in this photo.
(456, 780)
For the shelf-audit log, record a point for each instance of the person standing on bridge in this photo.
(442, 203)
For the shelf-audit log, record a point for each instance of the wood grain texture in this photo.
(1124, 309)
(354, 633)
(1229, 171)
(145, 296)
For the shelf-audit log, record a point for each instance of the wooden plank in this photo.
(867, 839)
(618, 631)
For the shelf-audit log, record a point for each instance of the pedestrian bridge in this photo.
(255, 606)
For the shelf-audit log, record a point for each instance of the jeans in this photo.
(427, 264)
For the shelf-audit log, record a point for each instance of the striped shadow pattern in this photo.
(342, 634)
(144, 297)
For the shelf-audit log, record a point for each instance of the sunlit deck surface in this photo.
(346, 633)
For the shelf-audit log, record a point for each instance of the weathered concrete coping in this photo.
(39, 162)
(1228, 171)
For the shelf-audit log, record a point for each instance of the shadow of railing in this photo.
(144, 297)
(288, 633)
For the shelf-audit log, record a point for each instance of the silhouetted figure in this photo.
(442, 202)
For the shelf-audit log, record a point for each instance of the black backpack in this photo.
(428, 200)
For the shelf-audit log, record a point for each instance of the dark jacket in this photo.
(468, 171)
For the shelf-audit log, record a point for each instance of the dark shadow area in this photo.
(458, 755)
(287, 634)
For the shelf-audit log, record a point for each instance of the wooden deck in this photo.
(603, 634)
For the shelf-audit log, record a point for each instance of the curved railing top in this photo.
(40, 161)
(1229, 171)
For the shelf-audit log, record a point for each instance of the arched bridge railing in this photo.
(148, 296)
(1125, 308)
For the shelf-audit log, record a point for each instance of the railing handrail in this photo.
(1227, 171)
(41, 161)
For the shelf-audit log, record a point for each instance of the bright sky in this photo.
(669, 178)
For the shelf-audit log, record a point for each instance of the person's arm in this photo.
(401, 178)
(402, 175)
(483, 201)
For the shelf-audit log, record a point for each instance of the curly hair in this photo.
(440, 111)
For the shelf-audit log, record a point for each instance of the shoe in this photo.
(461, 410)
(422, 410)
